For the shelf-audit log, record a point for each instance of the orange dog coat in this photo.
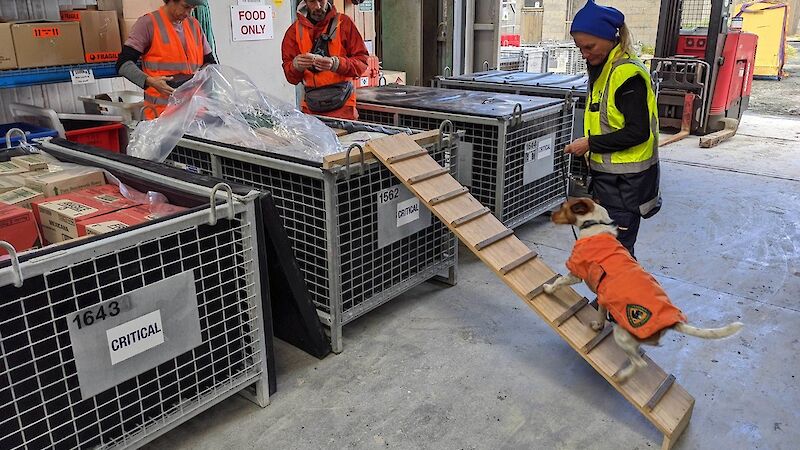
(633, 297)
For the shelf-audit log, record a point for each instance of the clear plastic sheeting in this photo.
(221, 104)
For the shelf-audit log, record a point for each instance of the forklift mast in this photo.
(700, 62)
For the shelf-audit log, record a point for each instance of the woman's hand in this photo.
(578, 147)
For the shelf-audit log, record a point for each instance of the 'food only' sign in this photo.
(251, 22)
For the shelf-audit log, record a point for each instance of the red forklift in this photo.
(703, 66)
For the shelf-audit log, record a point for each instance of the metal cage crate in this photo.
(574, 87)
(59, 385)
(512, 154)
(351, 263)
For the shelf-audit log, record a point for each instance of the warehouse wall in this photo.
(260, 60)
(640, 15)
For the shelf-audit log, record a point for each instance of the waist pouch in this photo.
(328, 98)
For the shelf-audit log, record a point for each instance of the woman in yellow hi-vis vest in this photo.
(621, 121)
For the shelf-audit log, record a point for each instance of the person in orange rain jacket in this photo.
(632, 296)
(324, 50)
(172, 47)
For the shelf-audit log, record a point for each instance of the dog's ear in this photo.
(581, 207)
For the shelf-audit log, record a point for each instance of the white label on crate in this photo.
(545, 147)
(251, 22)
(82, 76)
(539, 158)
(363, 81)
(132, 333)
(366, 6)
(134, 337)
(399, 215)
(407, 211)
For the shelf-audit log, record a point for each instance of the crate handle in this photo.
(212, 214)
(347, 160)
(485, 66)
(24, 137)
(516, 118)
(448, 72)
(12, 252)
(446, 127)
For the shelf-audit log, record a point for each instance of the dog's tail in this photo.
(709, 333)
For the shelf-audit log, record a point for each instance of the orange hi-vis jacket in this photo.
(632, 296)
(167, 57)
(313, 80)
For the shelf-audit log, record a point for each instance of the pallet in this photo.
(652, 391)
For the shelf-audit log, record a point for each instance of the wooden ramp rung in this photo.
(448, 196)
(407, 155)
(659, 393)
(428, 175)
(600, 337)
(652, 391)
(580, 304)
(470, 217)
(519, 262)
(482, 245)
(539, 290)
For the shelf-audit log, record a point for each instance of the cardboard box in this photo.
(30, 162)
(22, 197)
(129, 9)
(125, 218)
(125, 26)
(11, 182)
(43, 44)
(65, 181)
(10, 168)
(18, 228)
(8, 59)
(59, 216)
(394, 76)
(100, 31)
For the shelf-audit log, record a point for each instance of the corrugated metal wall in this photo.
(62, 97)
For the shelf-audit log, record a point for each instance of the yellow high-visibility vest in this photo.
(603, 117)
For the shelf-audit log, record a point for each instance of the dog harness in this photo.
(632, 296)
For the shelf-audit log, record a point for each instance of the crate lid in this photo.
(578, 83)
(472, 103)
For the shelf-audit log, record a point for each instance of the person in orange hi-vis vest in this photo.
(172, 47)
(324, 51)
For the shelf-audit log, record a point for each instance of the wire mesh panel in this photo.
(695, 13)
(45, 401)
(522, 199)
(331, 220)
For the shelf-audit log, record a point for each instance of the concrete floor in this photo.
(472, 367)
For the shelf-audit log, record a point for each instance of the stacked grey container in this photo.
(58, 386)
(574, 87)
(512, 154)
(339, 223)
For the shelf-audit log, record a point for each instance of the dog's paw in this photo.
(596, 325)
(549, 288)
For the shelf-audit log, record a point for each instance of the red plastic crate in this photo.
(371, 76)
(105, 136)
(510, 40)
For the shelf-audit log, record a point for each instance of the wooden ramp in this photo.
(654, 393)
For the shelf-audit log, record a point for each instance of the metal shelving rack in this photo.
(58, 74)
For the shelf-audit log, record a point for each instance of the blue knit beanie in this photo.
(601, 21)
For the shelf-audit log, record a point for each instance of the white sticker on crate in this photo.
(407, 211)
(539, 158)
(134, 337)
(132, 333)
(399, 215)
